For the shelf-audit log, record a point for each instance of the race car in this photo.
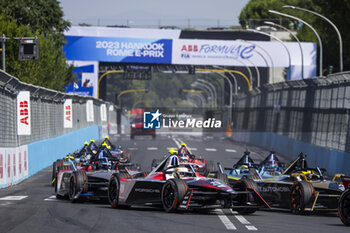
(200, 165)
(88, 180)
(268, 168)
(301, 188)
(178, 187)
(344, 202)
(117, 151)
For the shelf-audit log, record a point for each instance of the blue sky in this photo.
(153, 12)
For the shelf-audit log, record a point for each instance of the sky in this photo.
(153, 12)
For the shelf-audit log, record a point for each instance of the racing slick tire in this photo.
(54, 173)
(244, 184)
(113, 189)
(344, 207)
(77, 185)
(173, 193)
(300, 196)
(222, 177)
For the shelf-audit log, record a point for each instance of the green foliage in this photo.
(336, 11)
(43, 19)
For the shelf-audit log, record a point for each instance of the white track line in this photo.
(51, 198)
(210, 149)
(194, 149)
(231, 150)
(12, 198)
(251, 228)
(152, 148)
(244, 221)
(133, 148)
(225, 220)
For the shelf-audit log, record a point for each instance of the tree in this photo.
(336, 11)
(51, 70)
(44, 19)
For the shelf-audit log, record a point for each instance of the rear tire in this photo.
(301, 194)
(344, 207)
(173, 193)
(244, 184)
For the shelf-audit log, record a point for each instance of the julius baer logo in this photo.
(154, 120)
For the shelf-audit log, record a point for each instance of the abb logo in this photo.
(23, 112)
(68, 113)
(189, 48)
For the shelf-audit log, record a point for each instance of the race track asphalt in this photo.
(32, 207)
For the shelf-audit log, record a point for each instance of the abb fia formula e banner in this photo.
(103, 112)
(68, 114)
(245, 53)
(89, 111)
(23, 113)
(114, 49)
(13, 165)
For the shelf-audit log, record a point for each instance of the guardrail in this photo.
(305, 115)
(39, 125)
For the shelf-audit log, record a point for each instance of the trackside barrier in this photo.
(310, 116)
(39, 125)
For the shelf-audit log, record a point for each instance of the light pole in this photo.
(212, 88)
(296, 38)
(249, 71)
(331, 23)
(313, 29)
(207, 89)
(281, 42)
(101, 77)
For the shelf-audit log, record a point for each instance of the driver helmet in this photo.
(183, 144)
(86, 143)
(183, 171)
(172, 151)
(119, 147)
(92, 140)
(244, 169)
(106, 137)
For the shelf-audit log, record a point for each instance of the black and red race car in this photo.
(178, 187)
(344, 202)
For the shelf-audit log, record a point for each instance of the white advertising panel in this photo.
(2, 167)
(68, 114)
(13, 165)
(241, 53)
(89, 111)
(103, 110)
(23, 113)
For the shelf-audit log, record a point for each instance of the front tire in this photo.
(301, 195)
(344, 207)
(77, 185)
(54, 174)
(244, 184)
(113, 191)
(173, 193)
